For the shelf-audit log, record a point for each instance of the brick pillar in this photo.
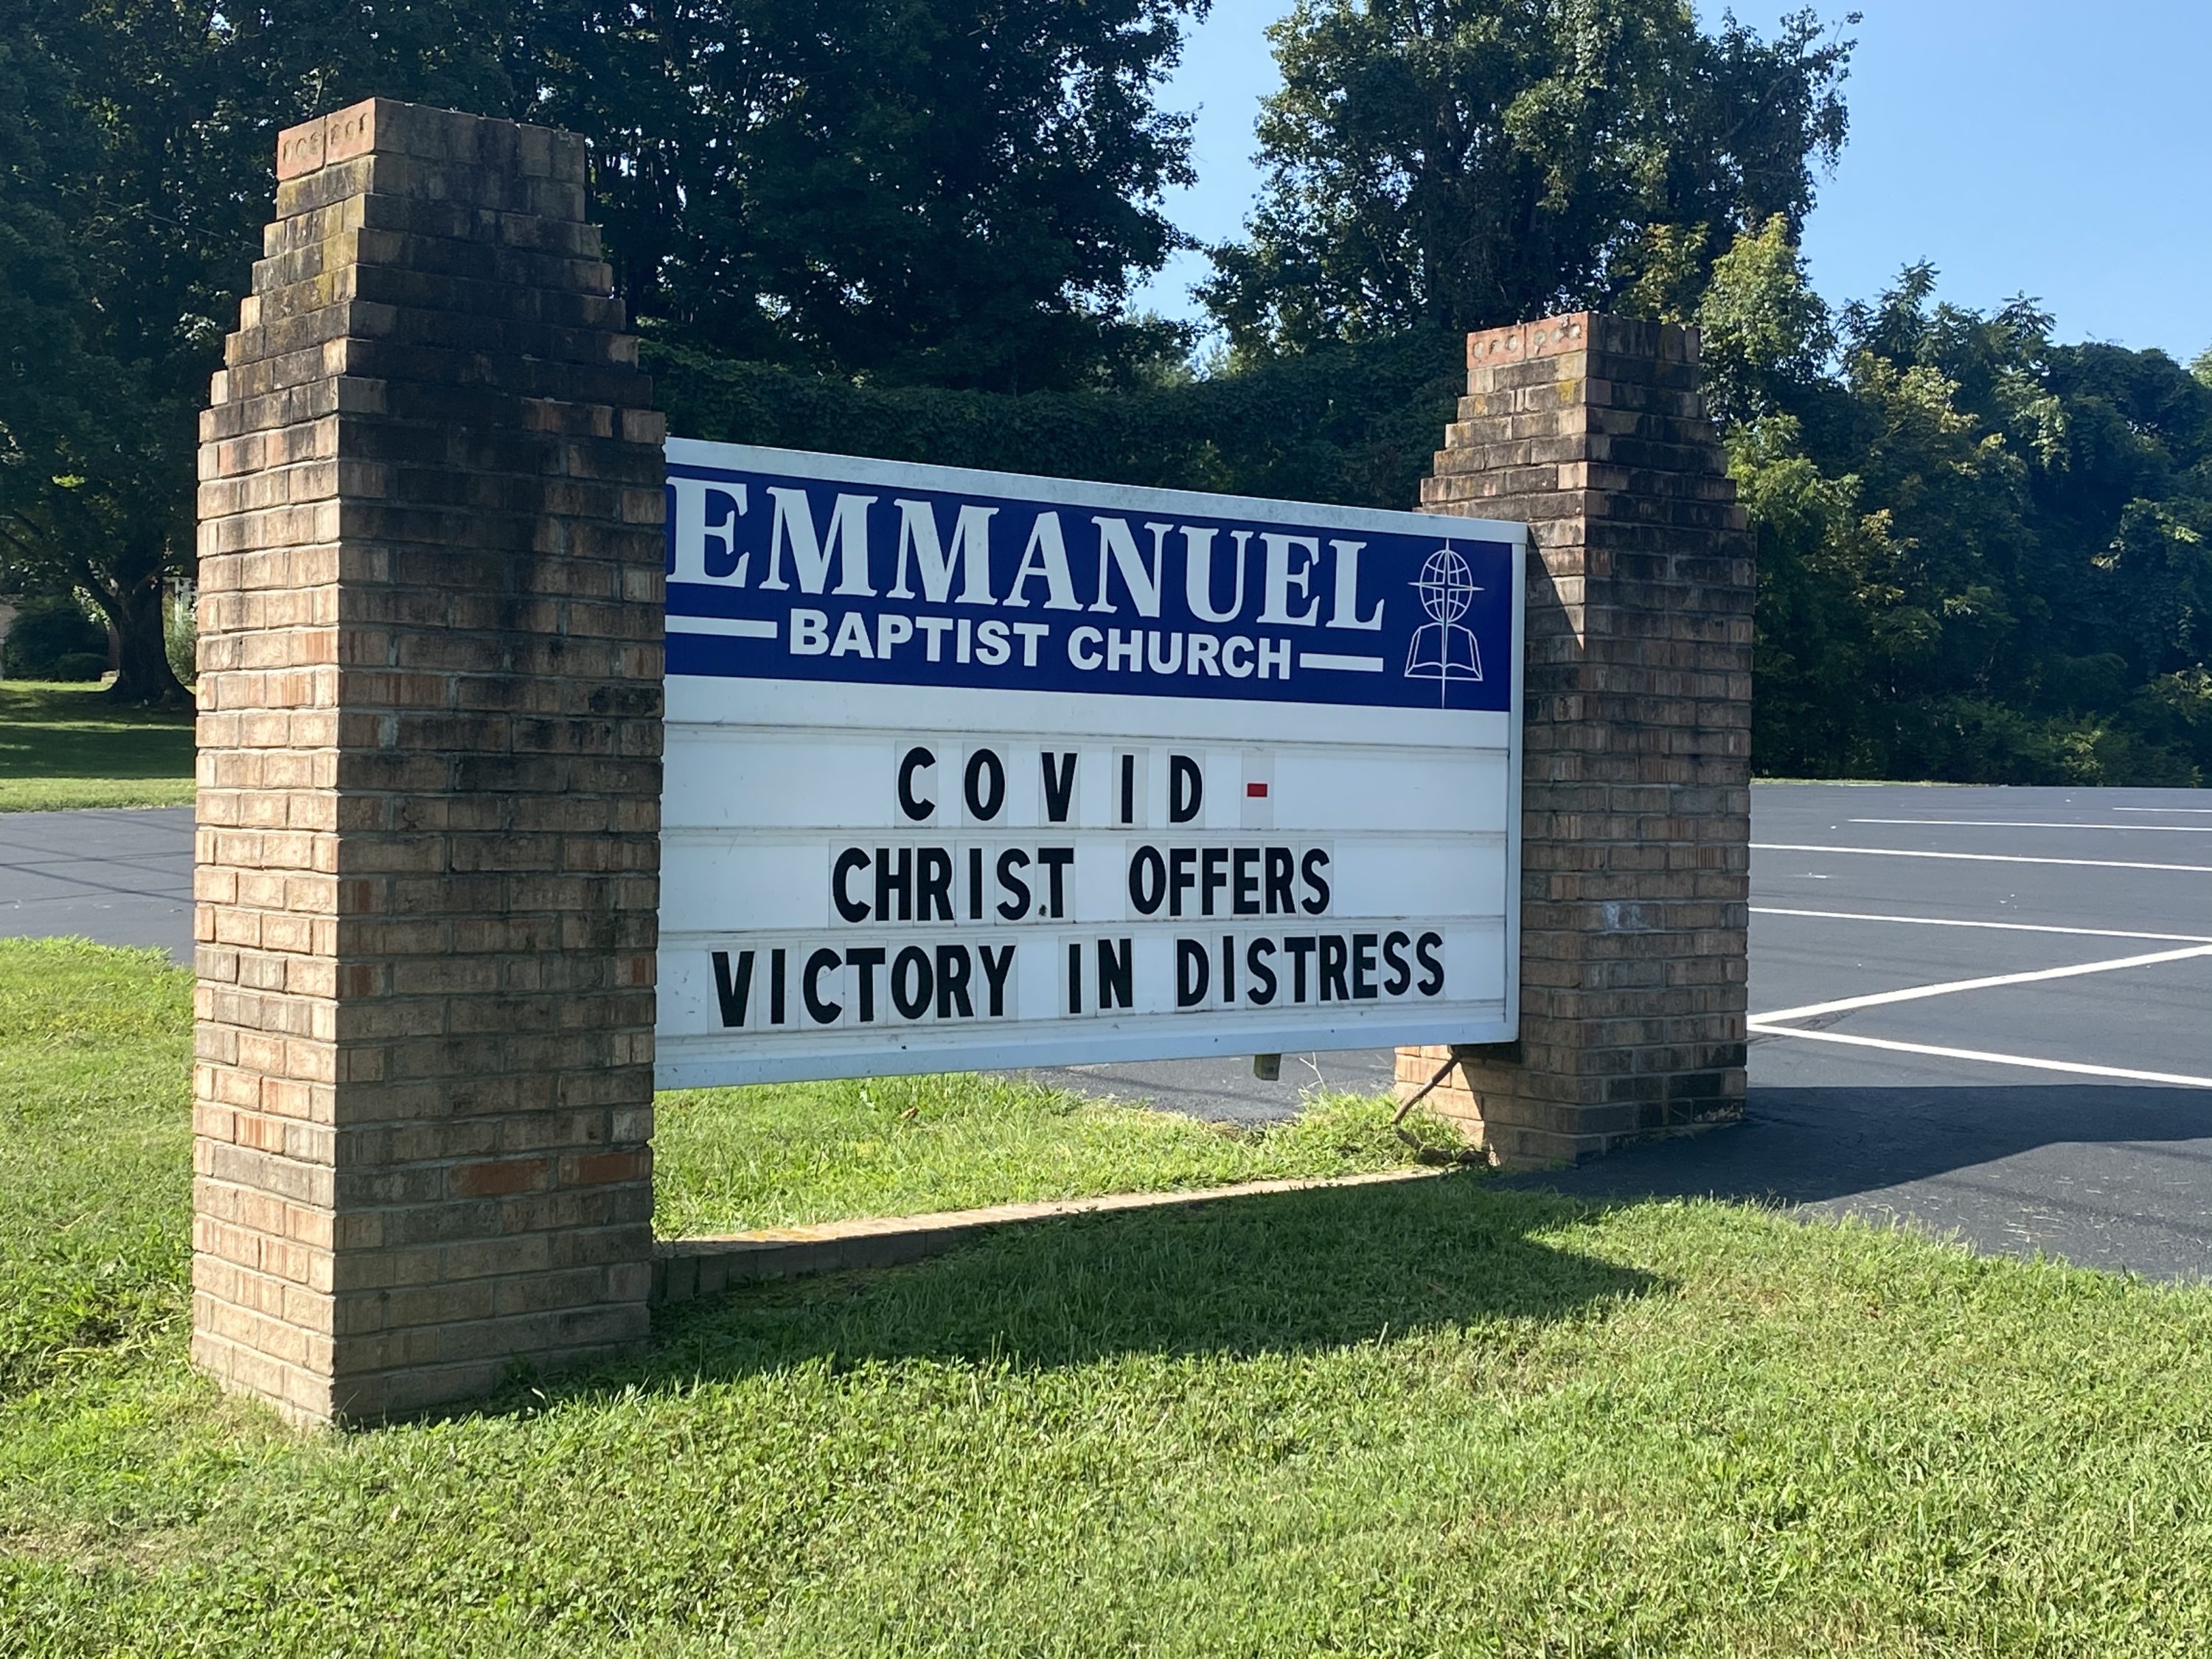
(429, 779)
(1636, 827)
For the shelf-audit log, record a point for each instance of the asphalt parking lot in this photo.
(1987, 1011)
(120, 876)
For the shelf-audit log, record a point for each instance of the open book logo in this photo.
(1444, 650)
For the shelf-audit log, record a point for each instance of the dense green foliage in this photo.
(1358, 425)
(948, 192)
(51, 639)
(180, 637)
(1445, 1417)
(1459, 164)
(867, 225)
(957, 190)
(104, 351)
(1982, 553)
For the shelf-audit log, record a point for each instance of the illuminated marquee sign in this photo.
(970, 769)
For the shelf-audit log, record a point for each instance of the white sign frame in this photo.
(700, 725)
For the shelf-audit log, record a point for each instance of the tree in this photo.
(1767, 335)
(95, 425)
(954, 191)
(1465, 163)
(1984, 556)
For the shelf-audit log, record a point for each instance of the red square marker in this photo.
(1256, 791)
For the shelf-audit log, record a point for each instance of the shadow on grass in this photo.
(1280, 1272)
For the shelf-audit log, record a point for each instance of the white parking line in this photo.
(2180, 1079)
(1916, 992)
(1998, 927)
(2032, 823)
(1980, 858)
(2205, 811)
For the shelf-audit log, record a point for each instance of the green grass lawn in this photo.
(67, 746)
(729, 1159)
(1442, 1418)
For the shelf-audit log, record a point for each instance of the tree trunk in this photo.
(142, 674)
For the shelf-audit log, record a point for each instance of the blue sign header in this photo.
(790, 567)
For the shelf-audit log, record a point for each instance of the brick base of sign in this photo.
(1636, 783)
(429, 781)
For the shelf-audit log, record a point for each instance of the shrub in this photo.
(52, 639)
(1354, 424)
(181, 635)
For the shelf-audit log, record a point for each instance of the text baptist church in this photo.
(886, 549)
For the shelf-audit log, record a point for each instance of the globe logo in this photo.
(1444, 650)
(1446, 586)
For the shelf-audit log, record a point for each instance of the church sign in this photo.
(969, 769)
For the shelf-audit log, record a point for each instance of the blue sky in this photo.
(2062, 149)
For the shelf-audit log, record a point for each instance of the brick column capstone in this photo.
(429, 781)
(1635, 828)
